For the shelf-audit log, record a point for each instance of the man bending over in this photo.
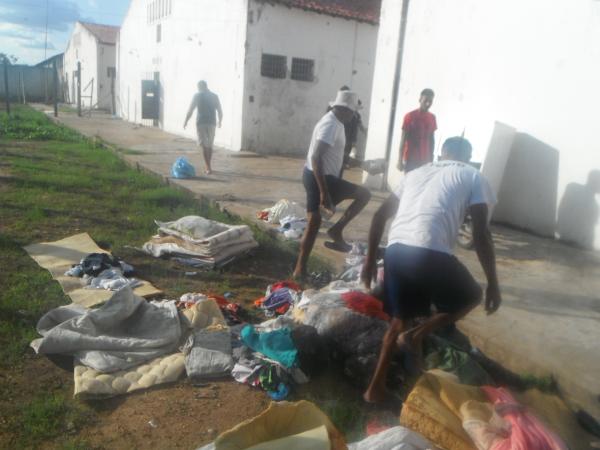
(428, 208)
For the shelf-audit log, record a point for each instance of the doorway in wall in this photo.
(150, 101)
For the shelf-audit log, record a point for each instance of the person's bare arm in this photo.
(190, 111)
(219, 112)
(431, 146)
(401, 162)
(382, 215)
(484, 246)
(317, 166)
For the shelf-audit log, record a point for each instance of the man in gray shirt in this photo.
(207, 106)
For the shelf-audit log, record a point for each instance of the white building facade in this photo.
(274, 65)
(94, 46)
(520, 81)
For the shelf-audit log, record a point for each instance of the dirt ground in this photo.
(174, 416)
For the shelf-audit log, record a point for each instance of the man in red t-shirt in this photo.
(416, 146)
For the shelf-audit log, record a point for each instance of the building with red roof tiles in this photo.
(275, 64)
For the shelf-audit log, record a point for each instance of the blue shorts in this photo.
(415, 278)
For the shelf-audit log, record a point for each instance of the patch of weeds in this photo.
(26, 124)
(166, 196)
(35, 214)
(75, 444)
(48, 416)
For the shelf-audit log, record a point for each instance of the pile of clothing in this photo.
(129, 344)
(290, 216)
(279, 298)
(103, 271)
(456, 416)
(200, 242)
(353, 263)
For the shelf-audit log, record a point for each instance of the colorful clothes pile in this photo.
(279, 298)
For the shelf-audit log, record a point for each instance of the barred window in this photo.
(273, 66)
(303, 69)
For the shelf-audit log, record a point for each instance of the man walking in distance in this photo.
(322, 182)
(207, 106)
(428, 207)
(417, 142)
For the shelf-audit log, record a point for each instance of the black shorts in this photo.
(339, 190)
(415, 278)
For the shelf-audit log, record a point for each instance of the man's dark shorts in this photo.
(339, 190)
(415, 278)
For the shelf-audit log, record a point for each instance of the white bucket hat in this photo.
(347, 99)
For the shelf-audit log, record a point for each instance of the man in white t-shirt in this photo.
(321, 179)
(428, 207)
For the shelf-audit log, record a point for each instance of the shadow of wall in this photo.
(578, 213)
(527, 195)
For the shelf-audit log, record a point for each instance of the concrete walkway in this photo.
(549, 322)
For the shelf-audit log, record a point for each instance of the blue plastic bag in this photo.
(182, 169)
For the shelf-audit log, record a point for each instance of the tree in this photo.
(11, 59)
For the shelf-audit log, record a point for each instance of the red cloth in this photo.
(376, 427)
(418, 127)
(365, 304)
(285, 284)
(527, 432)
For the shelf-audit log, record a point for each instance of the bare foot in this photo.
(383, 398)
(208, 171)
(375, 395)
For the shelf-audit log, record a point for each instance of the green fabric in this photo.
(442, 354)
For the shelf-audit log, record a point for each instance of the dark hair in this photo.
(345, 88)
(458, 147)
(428, 92)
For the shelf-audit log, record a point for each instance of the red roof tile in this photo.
(361, 10)
(106, 34)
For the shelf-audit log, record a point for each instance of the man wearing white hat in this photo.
(321, 178)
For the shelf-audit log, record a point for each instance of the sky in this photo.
(23, 24)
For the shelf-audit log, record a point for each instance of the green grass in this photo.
(51, 189)
(49, 416)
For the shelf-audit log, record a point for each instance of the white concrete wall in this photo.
(533, 66)
(106, 58)
(281, 117)
(203, 39)
(82, 47)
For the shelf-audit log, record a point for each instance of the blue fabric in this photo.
(280, 394)
(182, 168)
(277, 345)
(278, 299)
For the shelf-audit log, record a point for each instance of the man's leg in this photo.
(205, 137)
(207, 153)
(455, 294)
(376, 392)
(360, 197)
(412, 339)
(307, 243)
